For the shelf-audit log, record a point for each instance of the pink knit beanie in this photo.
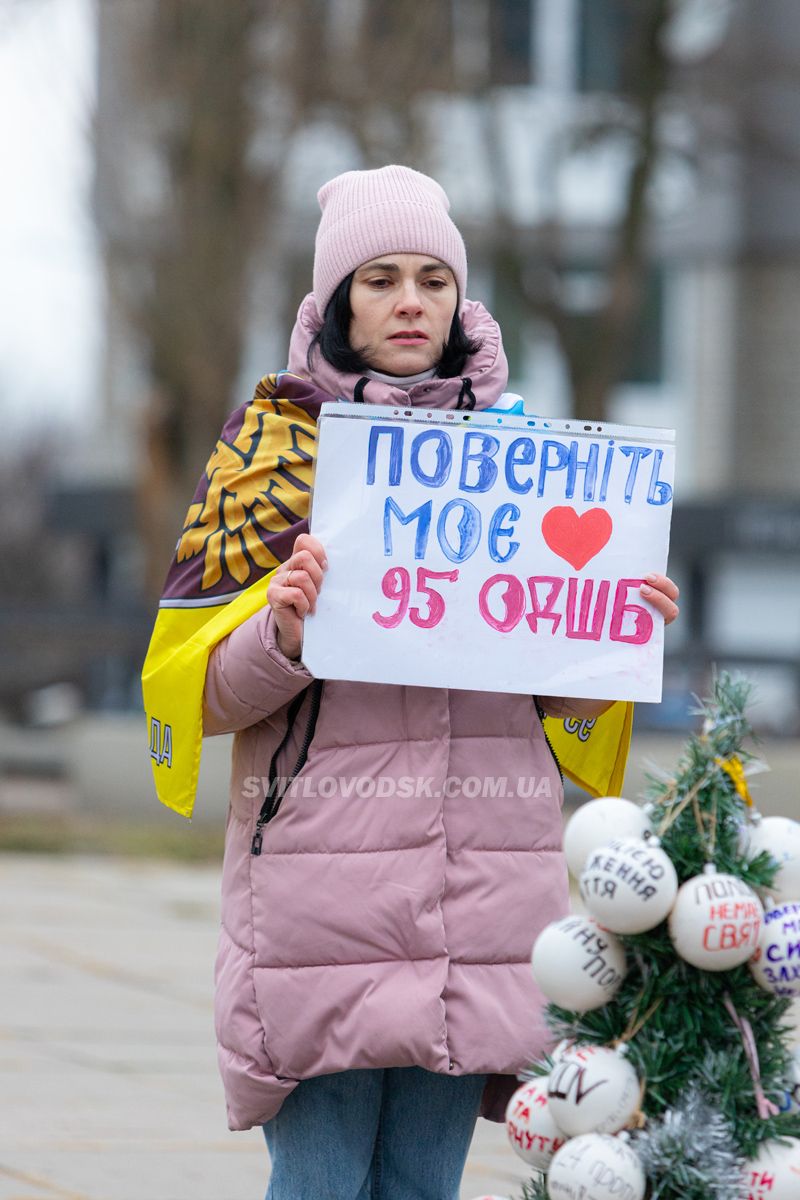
(391, 210)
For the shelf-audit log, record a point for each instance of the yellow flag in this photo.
(593, 753)
(173, 678)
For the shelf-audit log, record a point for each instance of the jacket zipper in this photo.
(542, 714)
(275, 795)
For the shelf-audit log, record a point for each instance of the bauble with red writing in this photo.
(531, 1130)
(774, 1174)
(716, 921)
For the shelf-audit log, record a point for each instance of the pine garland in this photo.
(534, 1189)
(687, 1047)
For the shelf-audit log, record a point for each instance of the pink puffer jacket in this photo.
(387, 923)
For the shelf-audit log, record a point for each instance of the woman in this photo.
(374, 985)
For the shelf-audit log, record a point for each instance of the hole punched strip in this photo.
(553, 426)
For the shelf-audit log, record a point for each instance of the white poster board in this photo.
(489, 552)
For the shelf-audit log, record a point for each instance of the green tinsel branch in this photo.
(535, 1189)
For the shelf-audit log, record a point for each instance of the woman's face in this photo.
(403, 307)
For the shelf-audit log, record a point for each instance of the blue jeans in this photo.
(396, 1133)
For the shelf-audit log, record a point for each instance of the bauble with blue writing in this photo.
(775, 966)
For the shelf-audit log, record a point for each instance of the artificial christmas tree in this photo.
(701, 1027)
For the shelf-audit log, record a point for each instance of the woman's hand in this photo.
(293, 592)
(661, 592)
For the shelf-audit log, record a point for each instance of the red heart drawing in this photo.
(576, 538)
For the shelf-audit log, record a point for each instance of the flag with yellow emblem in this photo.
(251, 503)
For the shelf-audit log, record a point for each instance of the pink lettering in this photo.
(513, 600)
(582, 628)
(545, 612)
(642, 620)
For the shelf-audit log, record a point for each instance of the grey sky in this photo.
(49, 282)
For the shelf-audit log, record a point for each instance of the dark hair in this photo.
(333, 340)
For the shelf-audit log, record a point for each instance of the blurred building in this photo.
(506, 121)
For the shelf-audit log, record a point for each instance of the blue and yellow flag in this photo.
(250, 505)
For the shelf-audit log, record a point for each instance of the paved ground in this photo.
(108, 1077)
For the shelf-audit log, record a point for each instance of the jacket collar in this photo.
(486, 371)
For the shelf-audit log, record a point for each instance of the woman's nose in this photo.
(409, 299)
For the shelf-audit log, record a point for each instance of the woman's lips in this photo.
(409, 337)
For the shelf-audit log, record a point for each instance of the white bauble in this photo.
(597, 821)
(531, 1130)
(776, 962)
(629, 885)
(790, 1101)
(715, 921)
(596, 1167)
(774, 1174)
(592, 1089)
(577, 964)
(781, 837)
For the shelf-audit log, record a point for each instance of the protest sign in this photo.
(490, 552)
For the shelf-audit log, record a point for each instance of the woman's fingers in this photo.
(303, 562)
(311, 545)
(304, 569)
(293, 591)
(662, 583)
(304, 592)
(661, 592)
(300, 594)
(302, 576)
(297, 584)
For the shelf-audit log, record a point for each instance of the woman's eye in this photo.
(437, 284)
(379, 283)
